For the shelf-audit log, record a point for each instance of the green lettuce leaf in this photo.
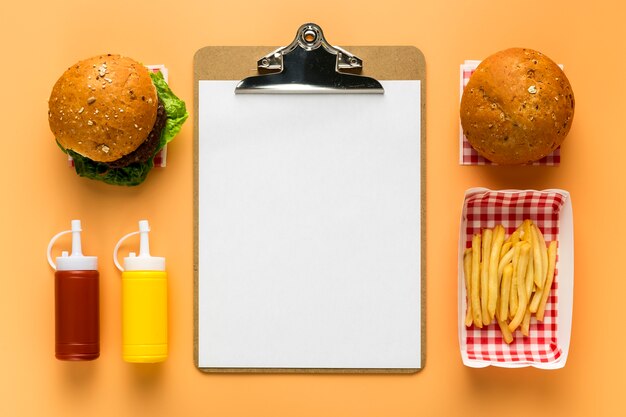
(174, 107)
(135, 174)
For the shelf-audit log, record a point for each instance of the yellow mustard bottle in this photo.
(144, 302)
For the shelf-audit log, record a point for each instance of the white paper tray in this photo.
(564, 288)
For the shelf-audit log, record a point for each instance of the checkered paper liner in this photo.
(160, 159)
(467, 154)
(485, 209)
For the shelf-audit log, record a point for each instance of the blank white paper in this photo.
(309, 229)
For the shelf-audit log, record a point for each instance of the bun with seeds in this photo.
(112, 115)
(517, 107)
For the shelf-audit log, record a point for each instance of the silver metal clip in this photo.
(309, 64)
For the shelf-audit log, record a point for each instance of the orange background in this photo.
(40, 195)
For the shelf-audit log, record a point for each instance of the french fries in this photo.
(537, 258)
(513, 293)
(505, 260)
(549, 279)
(514, 238)
(530, 275)
(506, 333)
(484, 275)
(526, 323)
(475, 281)
(544, 255)
(508, 279)
(496, 246)
(467, 268)
(505, 249)
(520, 277)
(505, 289)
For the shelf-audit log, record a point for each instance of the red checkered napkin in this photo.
(467, 154)
(160, 159)
(486, 209)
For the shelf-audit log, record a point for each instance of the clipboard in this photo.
(237, 63)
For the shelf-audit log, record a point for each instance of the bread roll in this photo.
(103, 107)
(517, 107)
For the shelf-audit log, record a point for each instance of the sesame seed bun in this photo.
(103, 107)
(517, 107)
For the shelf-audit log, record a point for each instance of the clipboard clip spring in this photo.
(309, 64)
(310, 37)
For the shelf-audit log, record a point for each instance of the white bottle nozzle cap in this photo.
(77, 249)
(76, 261)
(144, 261)
(144, 242)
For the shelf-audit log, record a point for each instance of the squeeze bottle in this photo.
(144, 302)
(76, 294)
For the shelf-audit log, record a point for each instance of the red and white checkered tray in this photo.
(160, 159)
(547, 345)
(467, 154)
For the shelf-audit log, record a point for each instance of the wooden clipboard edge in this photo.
(380, 62)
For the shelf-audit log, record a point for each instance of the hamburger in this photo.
(112, 116)
(517, 107)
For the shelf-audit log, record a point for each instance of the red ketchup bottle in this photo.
(76, 293)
